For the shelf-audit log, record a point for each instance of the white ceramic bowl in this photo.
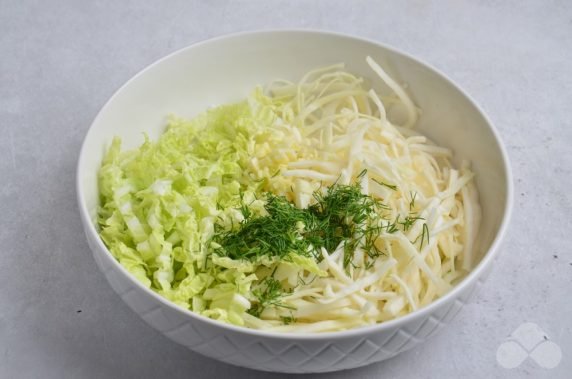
(224, 70)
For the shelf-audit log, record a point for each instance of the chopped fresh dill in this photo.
(287, 320)
(392, 187)
(244, 208)
(301, 281)
(409, 221)
(413, 195)
(369, 264)
(424, 234)
(267, 294)
(273, 235)
(369, 244)
(391, 227)
(341, 214)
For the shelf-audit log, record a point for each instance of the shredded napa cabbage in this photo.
(162, 203)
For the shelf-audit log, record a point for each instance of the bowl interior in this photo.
(226, 69)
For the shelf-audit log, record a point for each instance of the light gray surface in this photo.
(61, 60)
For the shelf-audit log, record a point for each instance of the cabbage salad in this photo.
(304, 208)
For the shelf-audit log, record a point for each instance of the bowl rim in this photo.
(421, 313)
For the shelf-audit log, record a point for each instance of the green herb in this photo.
(392, 187)
(275, 235)
(244, 209)
(370, 237)
(391, 227)
(369, 264)
(409, 221)
(424, 234)
(287, 320)
(268, 294)
(301, 281)
(341, 214)
(412, 202)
